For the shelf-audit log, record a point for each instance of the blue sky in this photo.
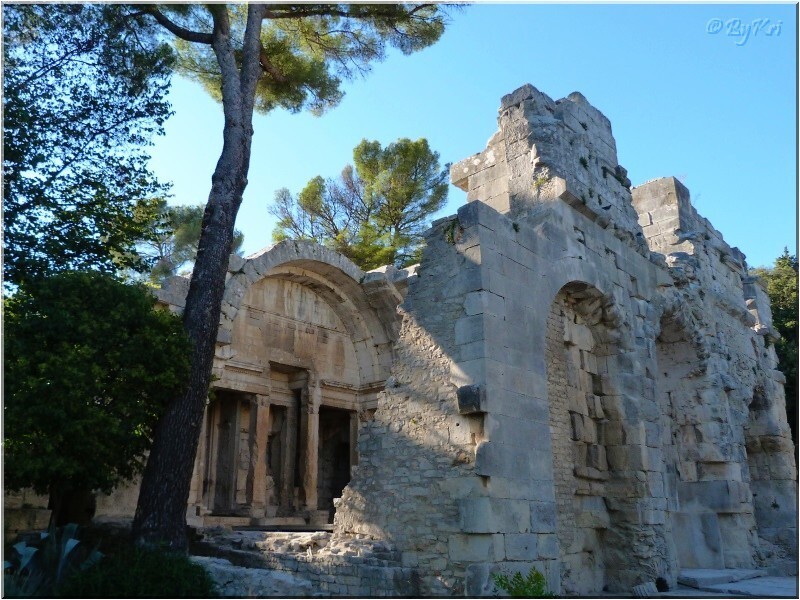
(686, 92)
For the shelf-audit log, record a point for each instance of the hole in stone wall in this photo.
(577, 354)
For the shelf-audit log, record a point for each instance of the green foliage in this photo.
(38, 570)
(89, 367)
(172, 239)
(517, 586)
(84, 91)
(140, 573)
(308, 49)
(376, 211)
(59, 564)
(452, 232)
(781, 284)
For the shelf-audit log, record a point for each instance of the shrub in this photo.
(90, 365)
(38, 568)
(517, 586)
(141, 573)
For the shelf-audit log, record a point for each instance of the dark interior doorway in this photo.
(225, 418)
(334, 456)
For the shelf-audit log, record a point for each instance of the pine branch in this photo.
(280, 11)
(181, 32)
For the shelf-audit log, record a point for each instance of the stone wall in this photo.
(611, 358)
(24, 511)
(511, 270)
(739, 473)
(417, 452)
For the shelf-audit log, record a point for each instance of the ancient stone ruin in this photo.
(579, 377)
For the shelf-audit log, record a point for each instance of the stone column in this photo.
(313, 399)
(289, 446)
(212, 455)
(259, 432)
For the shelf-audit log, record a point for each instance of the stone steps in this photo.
(215, 521)
(292, 528)
(293, 524)
(700, 578)
(723, 583)
(733, 583)
(242, 560)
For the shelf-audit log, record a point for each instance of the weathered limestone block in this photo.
(522, 546)
(476, 548)
(698, 540)
(717, 496)
(173, 292)
(596, 457)
(757, 303)
(494, 515)
(235, 263)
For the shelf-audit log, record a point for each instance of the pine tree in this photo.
(170, 243)
(376, 211)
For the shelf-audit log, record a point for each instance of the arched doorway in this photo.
(679, 380)
(595, 454)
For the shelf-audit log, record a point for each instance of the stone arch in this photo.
(680, 365)
(707, 500)
(597, 440)
(305, 344)
(366, 332)
(365, 302)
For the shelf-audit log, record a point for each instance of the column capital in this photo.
(314, 395)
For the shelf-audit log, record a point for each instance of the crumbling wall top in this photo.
(549, 150)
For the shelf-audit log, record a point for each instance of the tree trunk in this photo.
(161, 511)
